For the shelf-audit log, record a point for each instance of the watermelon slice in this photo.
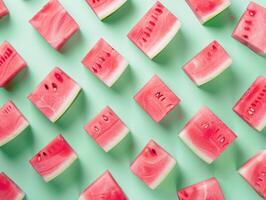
(155, 30)
(156, 99)
(11, 63)
(54, 24)
(208, 64)
(251, 28)
(207, 9)
(54, 159)
(207, 135)
(205, 190)
(3, 9)
(105, 62)
(107, 129)
(254, 172)
(153, 164)
(252, 105)
(104, 8)
(55, 94)
(12, 122)
(9, 189)
(104, 188)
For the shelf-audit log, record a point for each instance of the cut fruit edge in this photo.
(110, 9)
(20, 196)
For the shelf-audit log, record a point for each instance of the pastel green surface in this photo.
(220, 95)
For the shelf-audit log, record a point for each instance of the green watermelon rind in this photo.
(20, 196)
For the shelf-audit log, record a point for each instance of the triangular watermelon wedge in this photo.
(3, 9)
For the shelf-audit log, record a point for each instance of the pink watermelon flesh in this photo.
(252, 105)
(3, 9)
(207, 135)
(9, 189)
(54, 24)
(153, 164)
(55, 94)
(12, 122)
(54, 159)
(254, 172)
(155, 30)
(11, 63)
(251, 29)
(208, 9)
(205, 190)
(107, 129)
(104, 8)
(156, 99)
(208, 64)
(105, 62)
(104, 188)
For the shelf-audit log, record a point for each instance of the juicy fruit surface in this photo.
(252, 105)
(54, 94)
(207, 135)
(53, 159)
(8, 189)
(11, 63)
(104, 188)
(208, 64)
(155, 30)
(105, 62)
(205, 190)
(107, 129)
(12, 122)
(3, 9)
(54, 24)
(254, 172)
(251, 28)
(153, 164)
(157, 99)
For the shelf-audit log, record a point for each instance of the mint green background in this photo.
(220, 95)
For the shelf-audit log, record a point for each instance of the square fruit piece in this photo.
(107, 129)
(251, 29)
(252, 105)
(9, 190)
(208, 64)
(155, 30)
(54, 24)
(3, 9)
(105, 62)
(207, 135)
(54, 159)
(11, 63)
(104, 8)
(105, 187)
(206, 10)
(208, 189)
(153, 165)
(55, 94)
(12, 122)
(156, 99)
(254, 172)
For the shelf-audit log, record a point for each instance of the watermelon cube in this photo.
(153, 165)
(11, 63)
(12, 122)
(105, 188)
(107, 129)
(54, 24)
(251, 29)
(55, 94)
(254, 172)
(9, 190)
(208, 189)
(207, 135)
(156, 99)
(54, 159)
(103, 8)
(252, 105)
(3, 9)
(206, 10)
(105, 62)
(155, 30)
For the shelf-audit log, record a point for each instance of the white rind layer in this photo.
(164, 41)
(261, 125)
(20, 196)
(111, 9)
